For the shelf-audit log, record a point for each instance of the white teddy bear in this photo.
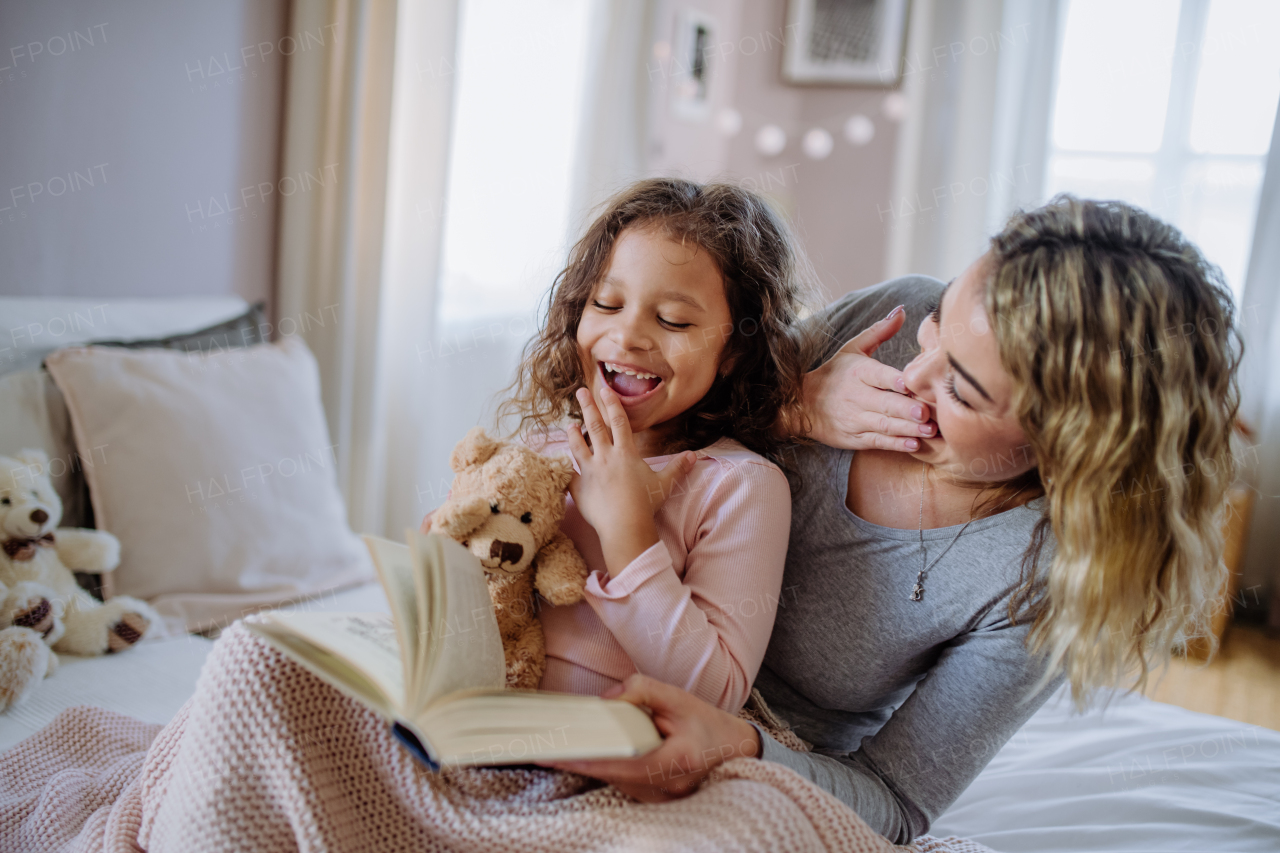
(39, 597)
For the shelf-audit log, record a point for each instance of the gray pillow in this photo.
(243, 331)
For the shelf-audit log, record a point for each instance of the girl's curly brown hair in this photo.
(766, 281)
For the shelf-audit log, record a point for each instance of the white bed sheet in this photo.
(1139, 777)
(150, 681)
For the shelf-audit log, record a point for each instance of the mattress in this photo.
(151, 681)
(1134, 777)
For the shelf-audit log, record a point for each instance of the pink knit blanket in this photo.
(266, 757)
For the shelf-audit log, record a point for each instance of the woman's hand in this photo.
(856, 403)
(617, 492)
(697, 738)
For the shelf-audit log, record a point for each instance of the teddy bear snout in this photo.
(39, 516)
(506, 552)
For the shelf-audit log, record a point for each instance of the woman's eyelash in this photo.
(674, 325)
(951, 390)
(935, 312)
(603, 307)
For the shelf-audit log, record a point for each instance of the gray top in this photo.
(904, 701)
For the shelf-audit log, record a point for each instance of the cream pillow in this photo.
(217, 474)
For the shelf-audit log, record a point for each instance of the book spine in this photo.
(415, 747)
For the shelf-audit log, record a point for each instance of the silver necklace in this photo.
(917, 591)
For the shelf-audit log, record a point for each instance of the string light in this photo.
(859, 130)
(817, 143)
(729, 121)
(770, 140)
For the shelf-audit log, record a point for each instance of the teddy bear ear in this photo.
(37, 459)
(475, 449)
(562, 470)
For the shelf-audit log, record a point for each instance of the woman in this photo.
(1059, 515)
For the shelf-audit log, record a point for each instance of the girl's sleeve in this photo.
(708, 632)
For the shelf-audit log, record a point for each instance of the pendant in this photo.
(917, 592)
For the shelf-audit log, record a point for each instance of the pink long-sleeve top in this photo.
(696, 609)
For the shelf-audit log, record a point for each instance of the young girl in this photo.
(671, 337)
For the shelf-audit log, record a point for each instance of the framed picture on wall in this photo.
(691, 65)
(854, 42)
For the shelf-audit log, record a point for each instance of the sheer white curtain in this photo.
(547, 122)
(1260, 325)
(356, 276)
(978, 82)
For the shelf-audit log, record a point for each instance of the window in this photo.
(517, 115)
(1169, 104)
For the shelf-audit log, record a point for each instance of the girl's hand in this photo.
(617, 492)
(856, 403)
(697, 738)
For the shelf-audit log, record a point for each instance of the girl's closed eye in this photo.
(935, 312)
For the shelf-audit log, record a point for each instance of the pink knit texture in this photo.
(266, 757)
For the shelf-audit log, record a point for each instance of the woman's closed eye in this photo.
(951, 391)
(935, 312)
(598, 304)
(672, 325)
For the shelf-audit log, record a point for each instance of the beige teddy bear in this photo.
(505, 506)
(37, 588)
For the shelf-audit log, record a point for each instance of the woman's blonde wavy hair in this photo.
(1120, 338)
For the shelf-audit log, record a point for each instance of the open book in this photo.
(435, 669)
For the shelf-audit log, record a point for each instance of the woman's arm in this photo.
(902, 778)
(697, 738)
(707, 632)
(963, 711)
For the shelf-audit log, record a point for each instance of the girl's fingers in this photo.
(578, 448)
(593, 420)
(616, 415)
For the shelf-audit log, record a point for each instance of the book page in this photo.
(464, 646)
(327, 666)
(364, 641)
(394, 562)
(488, 727)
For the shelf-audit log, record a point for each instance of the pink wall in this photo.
(835, 203)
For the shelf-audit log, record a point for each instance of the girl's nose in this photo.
(628, 332)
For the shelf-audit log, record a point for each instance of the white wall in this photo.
(139, 146)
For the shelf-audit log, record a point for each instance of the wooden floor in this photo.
(1242, 682)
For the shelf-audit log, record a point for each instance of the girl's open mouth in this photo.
(630, 384)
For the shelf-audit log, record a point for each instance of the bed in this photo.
(1134, 776)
